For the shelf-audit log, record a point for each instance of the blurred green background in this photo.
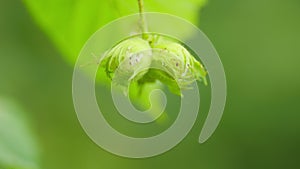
(258, 43)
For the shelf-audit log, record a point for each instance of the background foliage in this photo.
(258, 43)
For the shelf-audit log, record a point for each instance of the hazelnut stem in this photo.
(142, 18)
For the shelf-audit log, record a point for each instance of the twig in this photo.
(143, 25)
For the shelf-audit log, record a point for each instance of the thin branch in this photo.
(143, 25)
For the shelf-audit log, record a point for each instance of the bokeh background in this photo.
(258, 43)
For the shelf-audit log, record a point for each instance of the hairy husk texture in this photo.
(132, 60)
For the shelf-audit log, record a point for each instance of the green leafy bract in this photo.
(136, 60)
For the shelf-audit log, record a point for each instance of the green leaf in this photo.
(69, 23)
(18, 147)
